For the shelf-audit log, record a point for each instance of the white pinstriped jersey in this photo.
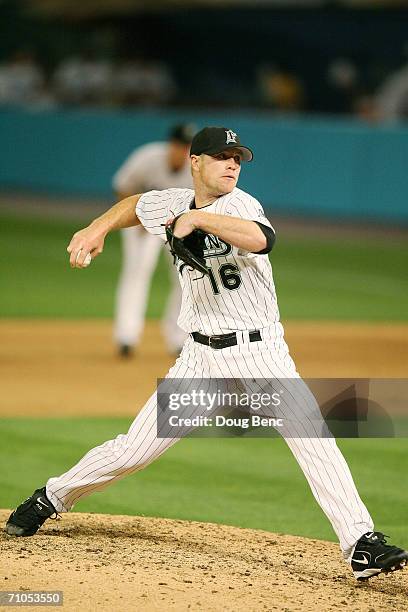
(239, 293)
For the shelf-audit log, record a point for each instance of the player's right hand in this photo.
(88, 240)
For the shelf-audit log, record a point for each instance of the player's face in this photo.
(218, 173)
(178, 155)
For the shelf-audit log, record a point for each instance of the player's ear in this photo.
(195, 162)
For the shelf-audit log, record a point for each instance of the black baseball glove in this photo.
(189, 249)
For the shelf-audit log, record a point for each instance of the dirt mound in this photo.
(104, 562)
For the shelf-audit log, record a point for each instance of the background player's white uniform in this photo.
(239, 295)
(145, 169)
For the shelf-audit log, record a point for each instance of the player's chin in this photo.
(227, 184)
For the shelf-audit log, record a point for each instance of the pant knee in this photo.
(123, 455)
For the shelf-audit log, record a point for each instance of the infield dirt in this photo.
(143, 564)
(67, 368)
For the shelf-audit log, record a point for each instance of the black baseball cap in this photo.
(182, 132)
(213, 140)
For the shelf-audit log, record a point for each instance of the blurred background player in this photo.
(157, 165)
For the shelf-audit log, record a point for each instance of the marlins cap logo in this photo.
(231, 137)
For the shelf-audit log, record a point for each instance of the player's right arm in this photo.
(152, 211)
(91, 239)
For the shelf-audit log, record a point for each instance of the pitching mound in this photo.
(104, 562)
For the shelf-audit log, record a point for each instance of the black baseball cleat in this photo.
(30, 515)
(372, 555)
(125, 351)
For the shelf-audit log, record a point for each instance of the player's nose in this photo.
(232, 163)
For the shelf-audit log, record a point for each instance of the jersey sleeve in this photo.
(130, 176)
(246, 207)
(154, 208)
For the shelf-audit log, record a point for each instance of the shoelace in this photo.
(382, 539)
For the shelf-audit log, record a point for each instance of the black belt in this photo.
(224, 340)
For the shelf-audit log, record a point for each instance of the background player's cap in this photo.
(213, 140)
(182, 132)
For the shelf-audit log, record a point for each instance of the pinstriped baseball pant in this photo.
(318, 456)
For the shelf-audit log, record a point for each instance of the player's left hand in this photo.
(186, 224)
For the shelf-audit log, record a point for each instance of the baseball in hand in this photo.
(87, 259)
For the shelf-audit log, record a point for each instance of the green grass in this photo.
(252, 483)
(343, 279)
(37, 280)
(316, 278)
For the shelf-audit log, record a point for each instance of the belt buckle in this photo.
(215, 337)
(209, 340)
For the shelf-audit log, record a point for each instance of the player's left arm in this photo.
(248, 235)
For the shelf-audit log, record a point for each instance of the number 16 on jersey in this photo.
(229, 276)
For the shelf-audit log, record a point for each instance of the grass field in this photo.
(249, 483)
(316, 278)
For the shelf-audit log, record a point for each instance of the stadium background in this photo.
(336, 190)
